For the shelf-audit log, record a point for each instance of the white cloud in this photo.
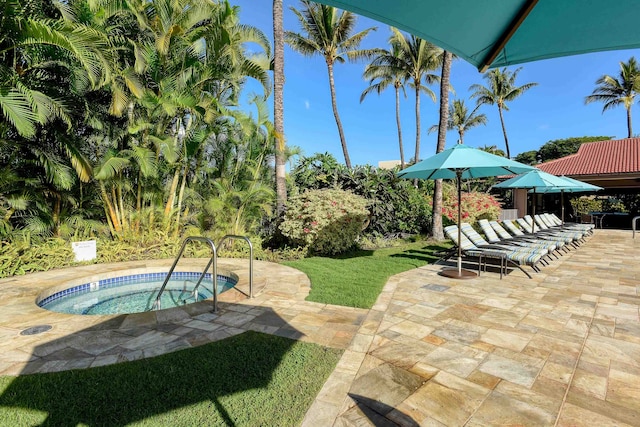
(307, 104)
(543, 126)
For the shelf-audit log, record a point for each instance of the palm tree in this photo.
(327, 32)
(382, 73)
(461, 119)
(437, 231)
(278, 106)
(34, 49)
(500, 90)
(614, 91)
(417, 58)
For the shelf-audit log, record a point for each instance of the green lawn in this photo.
(251, 379)
(356, 279)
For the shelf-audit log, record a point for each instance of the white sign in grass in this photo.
(84, 251)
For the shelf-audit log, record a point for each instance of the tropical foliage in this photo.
(474, 205)
(395, 205)
(622, 90)
(556, 149)
(328, 222)
(500, 89)
(383, 72)
(461, 120)
(327, 31)
(143, 132)
(417, 58)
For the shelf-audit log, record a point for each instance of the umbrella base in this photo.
(453, 273)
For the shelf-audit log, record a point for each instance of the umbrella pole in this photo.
(562, 204)
(459, 178)
(459, 273)
(533, 210)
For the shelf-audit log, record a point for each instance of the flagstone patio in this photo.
(76, 341)
(560, 349)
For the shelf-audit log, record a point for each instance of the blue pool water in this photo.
(133, 294)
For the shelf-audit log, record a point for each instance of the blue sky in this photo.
(554, 109)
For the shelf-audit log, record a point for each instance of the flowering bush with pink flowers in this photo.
(325, 221)
(475, 205)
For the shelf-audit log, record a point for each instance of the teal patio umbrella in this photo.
(496, 33)
(462, 162)
(535, 180)
(575, 186)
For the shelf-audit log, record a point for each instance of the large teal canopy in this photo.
(462, 162)
(572, 186)
(536, 180)
(495, 33)
(466, 161)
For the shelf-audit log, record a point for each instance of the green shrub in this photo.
(24, 256)
(585, 204)
(395, 205)
(325, 221)
(475, 205)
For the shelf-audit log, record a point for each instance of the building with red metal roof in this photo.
(612, 164)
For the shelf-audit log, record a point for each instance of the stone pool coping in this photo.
(76, 341)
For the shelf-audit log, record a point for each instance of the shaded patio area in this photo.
(560, 349)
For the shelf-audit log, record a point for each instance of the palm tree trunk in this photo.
(122, 209)
(180, 196)
(399, 127)
(172, 193)
(629, 123)
(116, 207)
(343, 141)
(504, 132)
(417, 156)
(437, 231)
(112, 218)
(278, 105)
(55, 214)
(138, 202)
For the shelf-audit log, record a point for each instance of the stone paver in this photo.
(561, 349)
(83, 341)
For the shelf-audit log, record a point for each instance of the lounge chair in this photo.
(513, 229)
(546, 234)
(544, 224)
(494, 237)
(554, 220)
(481, 242)
(545, 221)
(518, 255)
(469, 249)
(578, 236)
(520, 236)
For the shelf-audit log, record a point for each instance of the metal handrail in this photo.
(156, 304)
(246, 239)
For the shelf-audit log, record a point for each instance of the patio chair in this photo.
(526, 256)
(495, 238)
(577, 235)
(481, 242)
(470, 250)
(553, 219)
(550, 224)
(505, 256)
(516, 231)
(546, 234)
(520, 236)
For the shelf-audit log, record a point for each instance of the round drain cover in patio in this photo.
(34, 330)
